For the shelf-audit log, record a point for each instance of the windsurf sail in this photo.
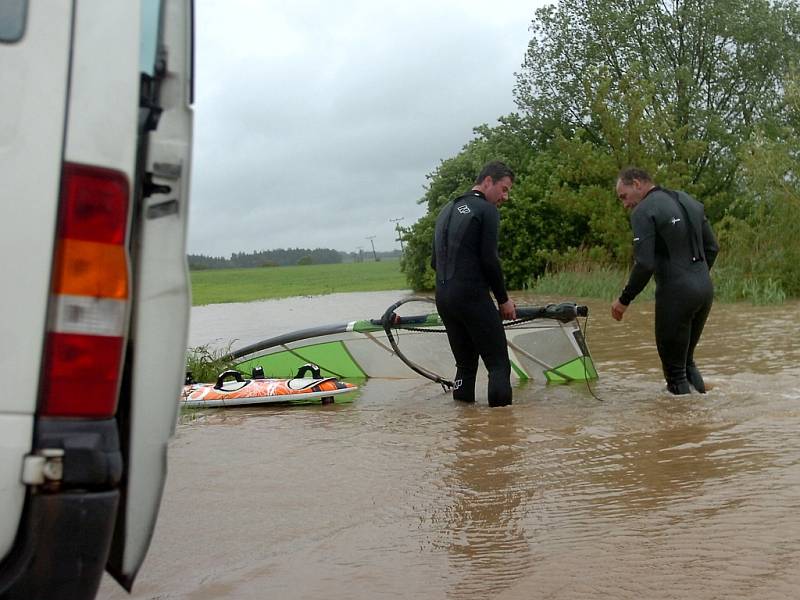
(545, 343)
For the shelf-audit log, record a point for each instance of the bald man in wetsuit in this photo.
(672, 240)
(467, 269)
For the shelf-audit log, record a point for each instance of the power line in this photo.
(399, 231)
(371, 238)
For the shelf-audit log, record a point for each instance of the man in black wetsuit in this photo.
(673, 240)
(467, 268)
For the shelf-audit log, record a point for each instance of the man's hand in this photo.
(508, 311)
(617, 310)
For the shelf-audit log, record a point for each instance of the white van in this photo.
(95, 139)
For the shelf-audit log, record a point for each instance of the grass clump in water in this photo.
(206, 363)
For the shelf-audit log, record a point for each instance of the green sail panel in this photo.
(332, 358)
(519, 371)
(578, 369)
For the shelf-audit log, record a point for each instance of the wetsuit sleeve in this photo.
(490, 261)
(710, 246)
(644, 255)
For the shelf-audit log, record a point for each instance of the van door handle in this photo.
(149, 188)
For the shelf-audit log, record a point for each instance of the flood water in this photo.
(405, 494)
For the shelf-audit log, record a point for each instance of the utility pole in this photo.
(371, 238)
(399, 230)
(360, 257)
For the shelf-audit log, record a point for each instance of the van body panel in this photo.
(15, 441)
(105, 73)
(31, 147)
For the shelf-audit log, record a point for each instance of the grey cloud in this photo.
(315, 123)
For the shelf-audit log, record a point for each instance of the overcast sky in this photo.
(317, 122)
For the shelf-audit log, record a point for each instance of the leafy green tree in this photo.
(509, 141)
(537, 225)
(549, 212)
(677, 86)
(761, 238)
(692, 91)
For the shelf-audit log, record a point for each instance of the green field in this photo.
(215, 286)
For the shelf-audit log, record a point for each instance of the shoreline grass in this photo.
(606, 283)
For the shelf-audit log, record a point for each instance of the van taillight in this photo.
(89, 295)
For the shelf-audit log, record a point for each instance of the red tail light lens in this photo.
(83, 375)
(90, 290)
(94, 205)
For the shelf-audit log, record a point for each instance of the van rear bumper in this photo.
(65, 532)
(62, 547)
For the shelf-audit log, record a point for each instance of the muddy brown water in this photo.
(405, 494)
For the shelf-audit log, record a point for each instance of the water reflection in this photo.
(484, 495)
(642, 471)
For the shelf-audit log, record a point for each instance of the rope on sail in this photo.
(389, 320)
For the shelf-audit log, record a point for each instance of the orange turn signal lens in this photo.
(91, 269)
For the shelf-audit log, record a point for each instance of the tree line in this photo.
(266, 258)
(705, 95)
(285, 258)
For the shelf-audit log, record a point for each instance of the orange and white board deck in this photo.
(264, 391)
